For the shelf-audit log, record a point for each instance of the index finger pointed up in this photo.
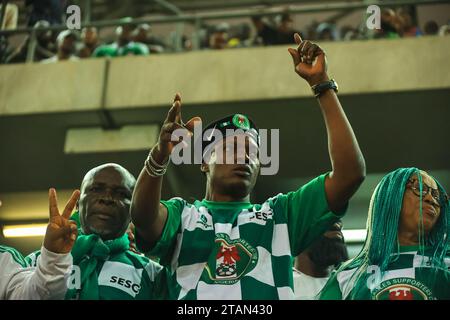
(297, 38)
(175, 110)
(178, 112)
(177, 103)
(71, 204)
(53, 203)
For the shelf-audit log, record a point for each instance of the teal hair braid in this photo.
(438, 238)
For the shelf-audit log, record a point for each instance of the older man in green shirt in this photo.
(103, 266)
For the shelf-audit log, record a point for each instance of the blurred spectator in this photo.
(187, 43)
(240, 36)
(141, 35)
(203, 34)
(11, 16)
(431, 28)
(124, 44)
(407, 27)
(326, 31)
(389, 25)
(48, 10)
(266, 34)
(9, 23)
(89, 38)
(285, 30)
(349, 33)
(45, 47)
(311, 30)
(444, 30)
(66, 42)
(219, 38)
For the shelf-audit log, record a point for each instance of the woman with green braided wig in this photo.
(405, 254)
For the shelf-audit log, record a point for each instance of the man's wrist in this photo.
(51, 254)
(323, 87)
(319, 79)
(155, 165)
(158, 155)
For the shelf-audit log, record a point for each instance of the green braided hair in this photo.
(381, 246)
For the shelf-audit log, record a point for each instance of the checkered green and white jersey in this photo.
(230, 250)
(123, 276)
(409, 277)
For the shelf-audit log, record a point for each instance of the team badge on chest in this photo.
(231, 260)
(403, 289)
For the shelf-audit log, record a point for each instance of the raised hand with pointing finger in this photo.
(173, 121)
(61, 232)
(304, 57)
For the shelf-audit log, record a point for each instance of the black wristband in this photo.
(320, 88)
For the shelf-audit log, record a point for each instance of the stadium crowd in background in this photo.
(138, 39)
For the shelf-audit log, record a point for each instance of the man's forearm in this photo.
(347, 161)
(145, 208)
(148, 215)
(346, 157)
(348, 167)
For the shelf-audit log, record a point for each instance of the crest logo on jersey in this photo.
(403, 289)
(231, 261)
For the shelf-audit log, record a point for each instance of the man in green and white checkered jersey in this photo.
(225, 247)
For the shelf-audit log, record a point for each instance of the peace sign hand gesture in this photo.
(61, 232)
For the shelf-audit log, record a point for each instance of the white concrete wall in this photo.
(63, 86)
(221, 76)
